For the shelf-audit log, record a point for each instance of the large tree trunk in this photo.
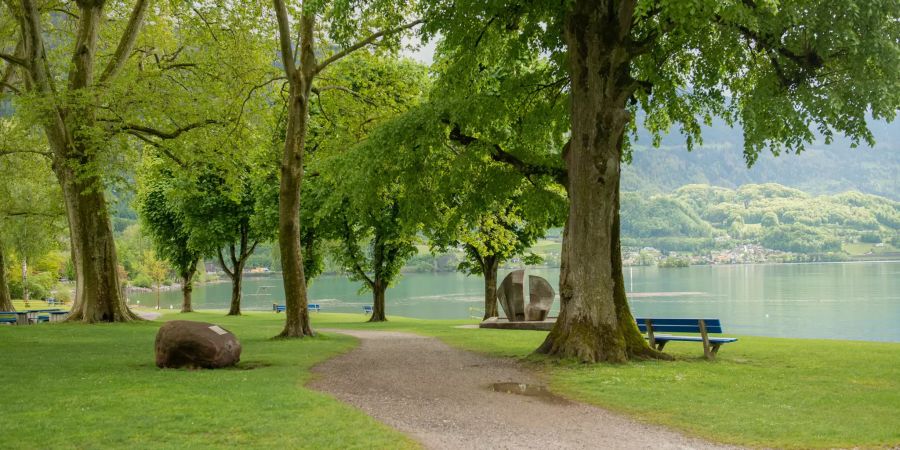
(595, 323)
(98, 295)
(69, 132)
(378, 309)
(489, 267)
(5, 299)
(296, 313)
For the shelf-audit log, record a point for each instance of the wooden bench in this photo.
(310, 307)
(367, 309)
(703, 326)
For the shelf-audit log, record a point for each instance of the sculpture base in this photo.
(504, 324)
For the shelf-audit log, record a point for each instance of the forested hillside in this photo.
(699, 217)
(822, 169)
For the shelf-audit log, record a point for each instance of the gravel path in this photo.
(441, 396)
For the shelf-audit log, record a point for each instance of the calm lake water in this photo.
(831, 300)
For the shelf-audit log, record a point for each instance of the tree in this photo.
(156, 269)
(224, 223)
(68, 117)
(170, 234)
(361, 197)
(345, 20)
(781, 70)
(30, 204)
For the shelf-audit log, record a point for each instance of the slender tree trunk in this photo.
(491, 263)
(296, 313)
(26, 295)
(378, 309)
(5, 298)
(237, 277)
(187, 287)
(595, 323)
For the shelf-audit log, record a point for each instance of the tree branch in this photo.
(31, 214)
(284, 38)
(14, 60)
(224, 266)
(34, 152)
(126, 42)
(161, 148)
(337, 56)
(319, 90)
(174, 134)
(353, 252)
(559, 174)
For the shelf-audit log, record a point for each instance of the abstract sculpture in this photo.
(511, 296)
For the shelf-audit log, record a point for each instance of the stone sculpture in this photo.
(511, 295)
(540, 298)
(184, 343)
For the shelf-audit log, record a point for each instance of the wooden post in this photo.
(706, 351)
(650, 335)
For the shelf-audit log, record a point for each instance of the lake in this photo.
(828, 300)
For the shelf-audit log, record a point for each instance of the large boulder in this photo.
(184, 343)
(540, 298)
(511, 295)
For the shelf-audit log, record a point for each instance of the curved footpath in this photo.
(441, 396)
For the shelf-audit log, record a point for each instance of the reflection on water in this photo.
(842, 301)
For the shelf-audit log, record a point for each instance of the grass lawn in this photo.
(765, 392)
(89, 386)
(97, 386)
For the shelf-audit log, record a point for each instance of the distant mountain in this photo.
(821, 169)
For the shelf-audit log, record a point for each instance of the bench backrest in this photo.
(279, 308)
(679, 325)
(367, 308)
(313, 306)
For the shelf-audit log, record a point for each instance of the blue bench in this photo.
(703, 326)
(10, 317)
(14, 317)
(367, 309)
(310, 307)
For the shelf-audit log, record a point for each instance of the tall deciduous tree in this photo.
(225, 223)
(31, 210)
(378, 22)
(781, 69)
(165, 223)
(68, 116)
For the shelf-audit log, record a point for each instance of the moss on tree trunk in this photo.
(98, 296)
(595, 323)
